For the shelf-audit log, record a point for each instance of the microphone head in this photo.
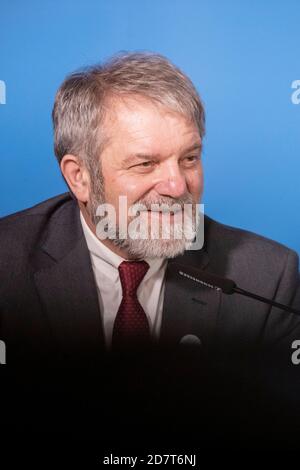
(204, 278)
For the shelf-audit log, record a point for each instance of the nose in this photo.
(172, 182)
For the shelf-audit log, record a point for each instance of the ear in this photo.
(76, 176)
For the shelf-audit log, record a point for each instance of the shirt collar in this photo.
(101, 252)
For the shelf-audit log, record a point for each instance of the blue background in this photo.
(242, 56)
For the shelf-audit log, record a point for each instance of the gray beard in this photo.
(146, 248)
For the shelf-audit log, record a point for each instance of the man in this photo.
(133, 127)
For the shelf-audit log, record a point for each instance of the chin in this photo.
(152, 248)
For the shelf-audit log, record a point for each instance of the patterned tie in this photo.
(131, 327)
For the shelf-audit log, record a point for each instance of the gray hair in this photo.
(80, 103)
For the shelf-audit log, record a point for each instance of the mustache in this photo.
(165, 200)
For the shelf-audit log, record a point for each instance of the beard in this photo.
(162, 238)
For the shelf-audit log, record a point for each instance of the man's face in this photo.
(152, 156)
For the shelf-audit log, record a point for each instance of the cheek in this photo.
(195, 183)
(133, 187)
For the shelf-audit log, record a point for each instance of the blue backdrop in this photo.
(243, 57)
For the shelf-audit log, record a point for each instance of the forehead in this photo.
(139, 122)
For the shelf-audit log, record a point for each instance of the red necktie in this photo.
(131, 327)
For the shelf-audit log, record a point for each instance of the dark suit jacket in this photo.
(49, 314)
(48, 296)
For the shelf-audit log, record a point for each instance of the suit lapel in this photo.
(189, 309)
(67, 287)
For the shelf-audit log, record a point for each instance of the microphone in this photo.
(227, 286)
(190, 340)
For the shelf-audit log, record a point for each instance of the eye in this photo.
(144, 165)
(191, 159)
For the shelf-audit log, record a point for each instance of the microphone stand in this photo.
(227, 286)
(240, 291)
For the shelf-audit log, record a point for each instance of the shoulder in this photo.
(22, 231)
(46, 208)
(233, 247)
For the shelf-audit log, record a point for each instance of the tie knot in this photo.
(131, 275)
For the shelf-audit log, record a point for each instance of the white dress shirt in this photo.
(150, 292)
